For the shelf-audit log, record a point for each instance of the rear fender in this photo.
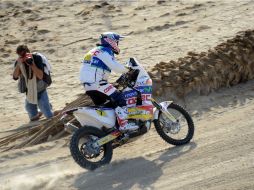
(164, 106)
(95, 117)
(70, 111)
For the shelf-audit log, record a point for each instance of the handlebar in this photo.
(128, 80)
(129, 77)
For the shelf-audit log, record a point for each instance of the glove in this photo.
(122, 79)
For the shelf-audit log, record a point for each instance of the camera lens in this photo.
(29, 61)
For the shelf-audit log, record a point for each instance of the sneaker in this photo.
(37, 117)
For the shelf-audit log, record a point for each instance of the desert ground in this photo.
(221, 154)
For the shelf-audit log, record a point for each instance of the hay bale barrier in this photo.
(227, 64)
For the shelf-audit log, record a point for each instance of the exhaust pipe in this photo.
(70, 128)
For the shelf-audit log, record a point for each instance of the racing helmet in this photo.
(111, 39)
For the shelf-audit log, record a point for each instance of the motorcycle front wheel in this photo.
(176, 133)
(85, 153)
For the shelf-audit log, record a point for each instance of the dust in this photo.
(38, 178)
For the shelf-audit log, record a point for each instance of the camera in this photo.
(29, 61)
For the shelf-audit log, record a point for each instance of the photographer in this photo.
(31, 68)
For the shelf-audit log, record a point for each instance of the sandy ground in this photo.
(221, 155)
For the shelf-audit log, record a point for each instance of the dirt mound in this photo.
(227, 64)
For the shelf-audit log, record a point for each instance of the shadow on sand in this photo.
(136, 172)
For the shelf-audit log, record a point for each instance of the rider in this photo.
(96, 68)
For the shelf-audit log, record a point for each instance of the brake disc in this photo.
(175, 128)
(171, 127)
(90, 148)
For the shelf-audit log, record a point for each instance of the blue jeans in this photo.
(43, 104)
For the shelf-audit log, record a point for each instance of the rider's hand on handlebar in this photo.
(129, 68)
(122, 79)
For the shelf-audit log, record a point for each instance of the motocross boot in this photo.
(124, 124)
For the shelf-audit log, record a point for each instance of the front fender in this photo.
(164, 106)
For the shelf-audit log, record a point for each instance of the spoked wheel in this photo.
(178, 132)
(85, 150)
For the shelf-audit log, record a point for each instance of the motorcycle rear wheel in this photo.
(78, 153)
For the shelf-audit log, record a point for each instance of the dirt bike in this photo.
(92, 144)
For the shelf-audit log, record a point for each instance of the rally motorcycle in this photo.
(92, 144)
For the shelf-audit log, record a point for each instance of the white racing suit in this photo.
(96, 68)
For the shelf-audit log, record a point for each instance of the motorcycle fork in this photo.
(166, 112)
(104, 140)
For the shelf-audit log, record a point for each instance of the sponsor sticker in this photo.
(101, 113)
(106, 90)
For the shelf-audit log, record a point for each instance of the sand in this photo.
(221, 153)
